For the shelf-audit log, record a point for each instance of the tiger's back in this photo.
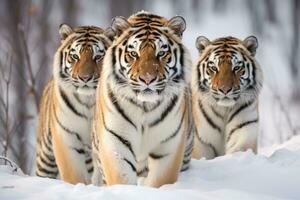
(45, 163)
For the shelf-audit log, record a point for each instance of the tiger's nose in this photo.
(148, 78)
(225, 89)
(85, 78)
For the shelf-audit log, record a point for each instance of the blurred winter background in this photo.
(29, 38)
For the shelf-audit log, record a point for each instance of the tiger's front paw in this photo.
(142, 181)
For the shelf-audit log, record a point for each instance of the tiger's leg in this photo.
(209, 139)
(97, 177)
(118, 161)
(188, 150)
(70, 160)
(242, 129)
(165, 163)
(203, 149)
(142, 170)
(45, 160)
(89, 164)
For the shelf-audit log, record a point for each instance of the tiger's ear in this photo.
(119, 24)
(64, 31)
(251, 44)
(110, 33)
(177, 24)
(201, 43)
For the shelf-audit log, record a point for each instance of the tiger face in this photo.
(81, 56)
(148, 56)
(227, 70)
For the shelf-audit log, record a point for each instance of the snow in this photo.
(273, 174)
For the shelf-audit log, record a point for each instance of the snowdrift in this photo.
(273, 174)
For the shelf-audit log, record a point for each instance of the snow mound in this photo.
(273, 174)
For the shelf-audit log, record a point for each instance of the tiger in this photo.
(226, 82)
(67, 104)
(143, 127)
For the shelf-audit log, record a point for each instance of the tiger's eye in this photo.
(134, 54)
(214, 68)
(237, 68)
(98, 57)
(161, 53)
(75, 57)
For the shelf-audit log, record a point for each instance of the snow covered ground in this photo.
(273, 174)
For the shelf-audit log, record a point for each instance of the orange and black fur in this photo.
(142, 120)
(66, 110)
(226, 82)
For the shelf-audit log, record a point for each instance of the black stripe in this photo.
(61, 59)
(82, 103)
(113, 61)
(88, 161)
(216, 112)
(148, 16)
(68, 130)
(49, 157)
(185, 162)
(152, 108)
(118, 107)
(176, 131)
(124, 141)
(69, 104)
(48, 147)
(157, 156)
(238, 111)
(239, 126)
(142, 129)
(207, 144)
(49, 138)
(45, 171)
(253, 72)
(208, 119)
(181, 59)
(188, 151)
(171, 105)
(139, 173)
(91, 170)
(51, 165)
(78, 150)
(130, 163)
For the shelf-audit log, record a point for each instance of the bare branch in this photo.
(14, 166)
(32, 89)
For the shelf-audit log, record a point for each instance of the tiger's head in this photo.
(148, 59)
(78, 61)
(227, 71)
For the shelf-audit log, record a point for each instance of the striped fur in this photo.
(225, 85)
(66, 110)
(142, 121)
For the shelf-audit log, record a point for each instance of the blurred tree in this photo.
(295, 55)
(270, 6)
(119, 8)
(43, 43)
(28, 24)
(220, 5)
(14, 21)
(70, 11)
(256, 10)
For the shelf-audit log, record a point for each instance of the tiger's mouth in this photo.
(148, 95)
(86, 89)
(226, 101)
